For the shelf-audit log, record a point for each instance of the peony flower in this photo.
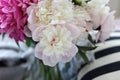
(82, 20)
(49, 11)
(96, 9)
(55, 30)
(107, 26)
(58, 25)
(44, 13)
(13, 17)
(55, 45)
(81, 13)
(101, 17)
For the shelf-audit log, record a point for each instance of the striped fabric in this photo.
(107, 61)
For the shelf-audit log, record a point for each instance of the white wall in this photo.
(115, 5)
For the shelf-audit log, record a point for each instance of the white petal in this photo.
(38, 51)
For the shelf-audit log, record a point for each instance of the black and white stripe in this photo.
(107, 61)
(110, 46)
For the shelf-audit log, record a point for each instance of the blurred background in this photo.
(115, 5)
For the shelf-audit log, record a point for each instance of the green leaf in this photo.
(42, 70)
(77, 2)
(49, 73)
(67, 66)
(86, 48)
(59, 73)
(90, 39)
(83, 55)
(28, 42)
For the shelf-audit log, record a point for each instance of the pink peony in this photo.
(13, 17)
(107, 26)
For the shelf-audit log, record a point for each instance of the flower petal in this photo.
(36, 34)
(73, 29)
(69, 54)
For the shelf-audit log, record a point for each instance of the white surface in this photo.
(109, 76)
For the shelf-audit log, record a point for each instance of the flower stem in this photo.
(84, 56)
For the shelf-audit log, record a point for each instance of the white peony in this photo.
(55, 45)
(48, 11)
(97, 9)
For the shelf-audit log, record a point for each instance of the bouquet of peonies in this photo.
(57, 26)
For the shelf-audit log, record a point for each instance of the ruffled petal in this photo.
(36, 34)
(38, 51)
(69, 54)
(74, 30)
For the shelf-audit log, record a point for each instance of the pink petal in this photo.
(47, 60)
(108, 26)
(38, 51)
(36, 34)
(109, 23)
(50, 60)
(32, 19)
(98, 36)
(29, 9)
(32, 27)
(69, 54)
(27, 32)
(73, 29)
(3, 25)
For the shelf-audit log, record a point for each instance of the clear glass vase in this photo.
(65, 71)
(62, 71)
